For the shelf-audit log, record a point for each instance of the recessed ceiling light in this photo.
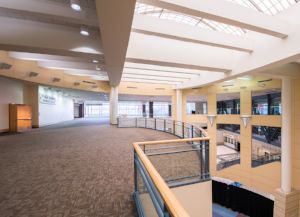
(98, 68)
(84, 31)
(75, 5)
(95, 61)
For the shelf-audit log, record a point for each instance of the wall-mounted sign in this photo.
(46, 99)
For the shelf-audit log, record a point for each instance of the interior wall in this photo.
(59, 109)
(265, 178)
(11, 91)
(296, 136)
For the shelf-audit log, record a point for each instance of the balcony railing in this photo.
(177, 128)
(162, 165)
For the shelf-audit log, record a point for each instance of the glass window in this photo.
(97, 109)
(196, 105)
(228, 103)
(228, 145)
(130, 108)
(266, 102)
(266, 145)
(161, 109)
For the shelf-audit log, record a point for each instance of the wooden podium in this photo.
(20, 117)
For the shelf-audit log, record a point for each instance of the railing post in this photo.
(145, 122)
(135, 173)
(182, 124)
(174, 131)
(192, 131)
(155, 123)
(136, 120)
(165, 125)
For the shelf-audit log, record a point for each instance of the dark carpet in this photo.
(79, 170)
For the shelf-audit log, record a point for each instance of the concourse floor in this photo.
(81, 168)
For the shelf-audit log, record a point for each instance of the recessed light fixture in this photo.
(98, 68)
(84, 31)
(75, 5)
(95, 61)
(245, 78)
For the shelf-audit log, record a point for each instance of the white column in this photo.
(286, 136)
(179, 105)
(113, 105)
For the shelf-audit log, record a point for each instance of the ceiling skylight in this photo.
(186, 19)
(270, 7)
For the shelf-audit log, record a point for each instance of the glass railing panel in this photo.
(126, 122)
(160, 124)
(150, 123)
(141, 122)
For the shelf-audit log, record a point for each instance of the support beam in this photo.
(286, 146)
(167, 29)
(179, 105)
(113, 105)
(226, 12)
(115, 18)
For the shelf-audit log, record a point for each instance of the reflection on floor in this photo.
(220, 211)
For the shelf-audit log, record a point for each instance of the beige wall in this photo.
(264, 178)
(296, 136)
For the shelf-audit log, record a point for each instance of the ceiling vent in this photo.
(160, 88)
(131, 87)
(89, 82)
(94, 86)
(262, 81)
(33, 74)
(76, 83)
(243, 87)
(196, 88)
(228, 85)
(55, 80)
(5, 66)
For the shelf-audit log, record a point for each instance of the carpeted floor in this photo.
(72, 169)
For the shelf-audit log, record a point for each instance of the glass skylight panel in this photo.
(270, 7)
(185, 19)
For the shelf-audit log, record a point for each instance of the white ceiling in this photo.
(182, 43)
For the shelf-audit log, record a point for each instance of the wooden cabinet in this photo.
(20, 117)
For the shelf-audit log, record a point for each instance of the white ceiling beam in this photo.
(137, 80)
(228, 13)
(157, 73)
(154, 50)
(160, 78)
(46, 57)
(67, 65)
(115, 19)
(269, 54)
(167, 29)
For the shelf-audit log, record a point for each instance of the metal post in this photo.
(145, 122)
(192, 131)
(174, 127)
(136, 119)
(155, 123)
(207, 158)
(165, 125)
(182, 124)
(135, 174)
(201, 157)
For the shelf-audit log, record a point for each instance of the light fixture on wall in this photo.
(76, 83)
(95, 61)
(54, 80)
(33, 74)
(211, 119)
(245, 119)
(75, 5)
(84, 31)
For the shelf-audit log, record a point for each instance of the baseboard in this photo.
(4, 130)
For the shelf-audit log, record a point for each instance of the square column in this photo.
(113, 105)
(179, 105)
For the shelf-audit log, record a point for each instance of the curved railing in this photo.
(177, 128)
(160, 165)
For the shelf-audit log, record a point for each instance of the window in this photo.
(196, 105)
(228, 145)
(161, 109)
(130, 108)
(266, 145)
(267, 102)
(228, 103)
(100, 109)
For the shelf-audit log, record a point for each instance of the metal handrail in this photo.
(171, 204)
(183, 125)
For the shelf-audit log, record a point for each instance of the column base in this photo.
(286, 205)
